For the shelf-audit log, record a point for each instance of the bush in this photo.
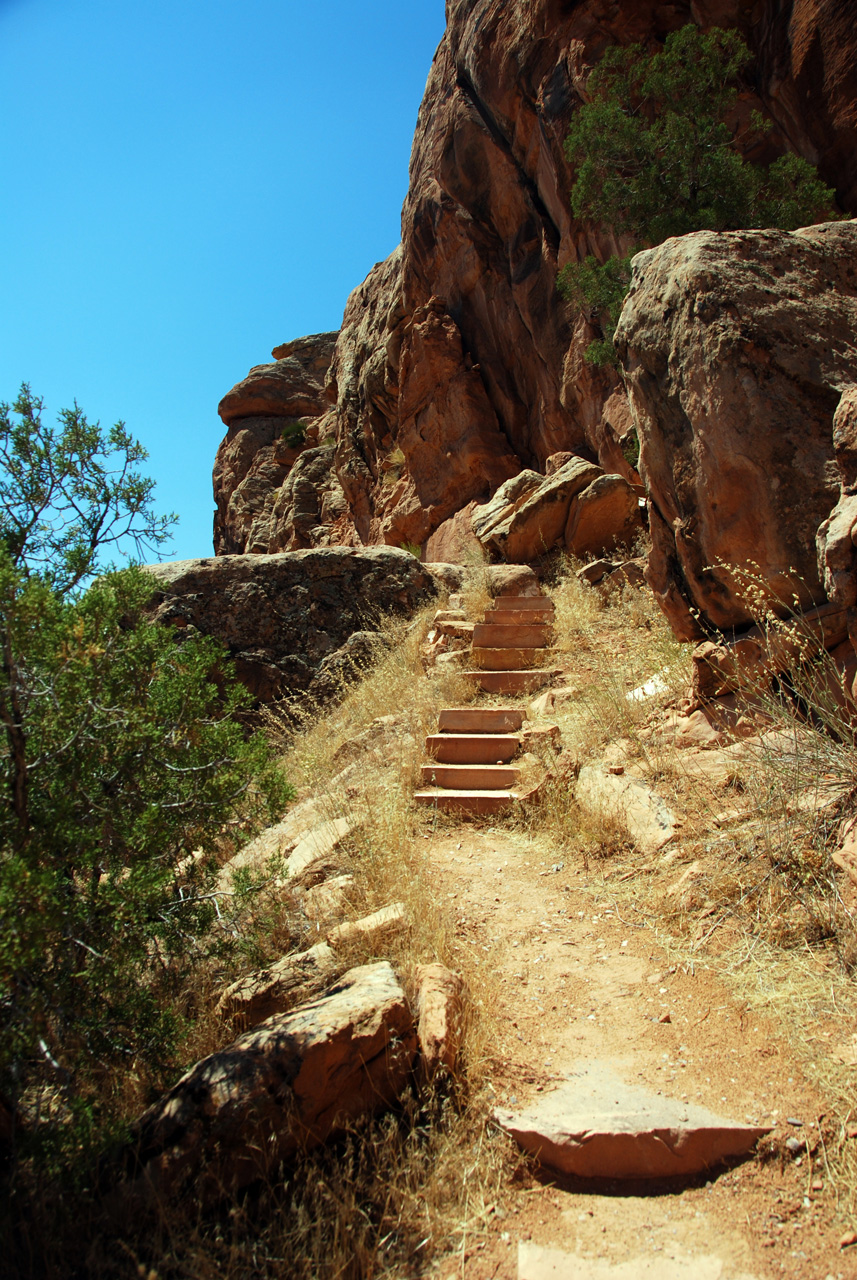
(655, 157)
(123, 756)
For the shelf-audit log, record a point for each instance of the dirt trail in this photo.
(569, 980)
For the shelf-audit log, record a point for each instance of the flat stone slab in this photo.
(472, 803)
(644, 814)
(596, 1125)
(519, 617)
(537, 603)
(470, 777)
(480, 720)
(506, 659)
(317, 845)
(538, 1263)
(510, 681)
(516, 635)
(472, 748)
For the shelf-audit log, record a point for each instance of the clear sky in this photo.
(185, 185)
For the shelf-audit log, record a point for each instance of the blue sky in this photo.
(186, 185)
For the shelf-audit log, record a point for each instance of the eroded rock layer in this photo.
(458, 365)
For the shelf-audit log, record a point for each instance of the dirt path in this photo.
(569, 980)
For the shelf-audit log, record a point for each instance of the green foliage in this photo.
(655, 156)
(122, 756)
(294, 433)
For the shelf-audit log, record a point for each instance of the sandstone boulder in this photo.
(283, 1087)
(287, 619)
(629, 802)
(604, 516)
(440, 1012)
(737, 349)
(528, 515)
(259, 995)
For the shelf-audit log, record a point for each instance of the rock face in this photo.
(458, 365)
(255, 458)
(292, 622)
(738, 350)
(282, 1087)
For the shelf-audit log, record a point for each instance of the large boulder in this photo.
(297, 622)
(283, 1087)
(737, 349)
(576, 506)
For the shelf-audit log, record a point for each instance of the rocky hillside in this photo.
(458, 365)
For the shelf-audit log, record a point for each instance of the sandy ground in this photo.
(569, 980)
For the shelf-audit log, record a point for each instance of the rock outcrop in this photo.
(295, 623)
(267, 415)
(738, 349)
(458, 365)
(281, 1088)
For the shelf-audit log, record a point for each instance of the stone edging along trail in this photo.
(674, 1132)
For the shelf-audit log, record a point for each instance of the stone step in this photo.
(488, 635)
(472, 748)
(519, 617)
(510, 681)
(597, 1125)
(506, 659)
(470, 777)
(474, 803)
(480, 720)
(524, 602)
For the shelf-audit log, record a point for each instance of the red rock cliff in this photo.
(457, 363)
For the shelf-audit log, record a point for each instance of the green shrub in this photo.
(654, 157)
(122, 756)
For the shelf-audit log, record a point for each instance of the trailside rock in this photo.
(528, 515)
(285, 1086)
(604, 516)
(286, 619)
(630, 803)
(260, 995)
(737, 348)
(440, 1013)
(598, 1126)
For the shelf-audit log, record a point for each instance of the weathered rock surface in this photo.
(289, 620)
(630, 802)
(737, 349)
(440, 1013)
(255, 459)
(377, 929)
(597, 1126)
(458, 364)
(266, 992)
(280, 1088)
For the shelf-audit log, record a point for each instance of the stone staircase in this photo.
(471, 769)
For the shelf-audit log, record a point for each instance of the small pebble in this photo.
(665, 1017)
(850, 1237)
(794, 1145)
(797, 1124)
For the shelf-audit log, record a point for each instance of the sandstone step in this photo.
(480, 720)
(524, 602)
(599, 1126)
(488, 635)
(474, 803)
(470, 777)
(506, 659)
(510, 681)
(519, 617)
(472, 748)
